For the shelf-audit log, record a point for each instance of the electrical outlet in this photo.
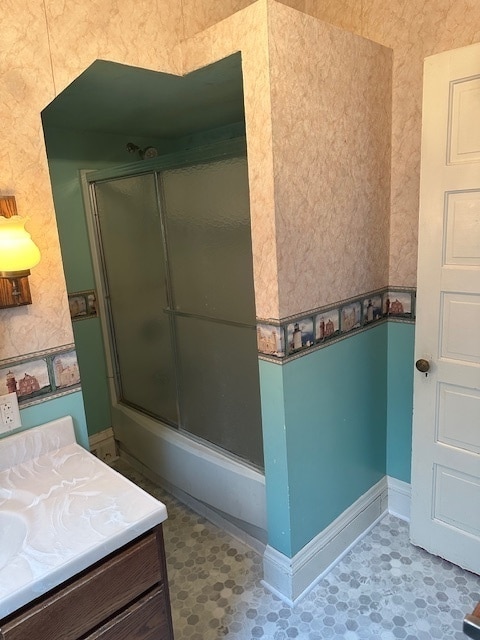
(9, 413)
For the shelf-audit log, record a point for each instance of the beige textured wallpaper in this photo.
(414, 29)
(198, 15)
(26, 87)
(346, 14)
(331, 97)
(140, 33)
(44, 46)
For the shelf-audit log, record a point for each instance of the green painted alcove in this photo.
(115, 98)
(88, 127)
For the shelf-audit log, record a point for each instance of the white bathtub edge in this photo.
(195, 469)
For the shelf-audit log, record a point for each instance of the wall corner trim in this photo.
(103, 446)
(292, 578)
(399, 496)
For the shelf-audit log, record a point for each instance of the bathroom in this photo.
(321, 444)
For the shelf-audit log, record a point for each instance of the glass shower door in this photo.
(207, 219)
(129, 225)
(176, 253)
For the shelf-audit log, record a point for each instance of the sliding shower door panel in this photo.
(220, 399)
(135, 275)
(207, 221)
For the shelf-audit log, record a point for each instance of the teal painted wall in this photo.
(93, 368)
(68, 405)
(327, 445)
(401, 338)
(275, 456)
(336, 440)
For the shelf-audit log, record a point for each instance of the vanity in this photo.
(81, 547)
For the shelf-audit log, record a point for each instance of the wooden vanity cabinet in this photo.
(122, 597)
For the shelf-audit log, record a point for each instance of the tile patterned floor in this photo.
(384, 589)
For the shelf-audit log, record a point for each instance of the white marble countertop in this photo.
(61, 510)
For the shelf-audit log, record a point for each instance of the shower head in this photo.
(145, 154)
(148, 153)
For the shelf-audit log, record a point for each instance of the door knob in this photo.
(423, 365)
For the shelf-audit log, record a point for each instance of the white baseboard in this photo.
(103, 445)
(292, 578)
(399, 496)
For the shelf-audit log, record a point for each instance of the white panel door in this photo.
(445, 514)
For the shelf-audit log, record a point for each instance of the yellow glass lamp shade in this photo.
(18, 252)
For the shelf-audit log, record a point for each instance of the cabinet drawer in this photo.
(92, 597)
(147, 619)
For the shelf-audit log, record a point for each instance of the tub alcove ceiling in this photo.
(118, 99)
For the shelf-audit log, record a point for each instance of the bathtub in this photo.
(206, 479)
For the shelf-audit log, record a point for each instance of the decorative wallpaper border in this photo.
(48, 374)
(82, 304)
(41, 376)
(298, 335)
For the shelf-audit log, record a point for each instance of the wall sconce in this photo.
(18, 254)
